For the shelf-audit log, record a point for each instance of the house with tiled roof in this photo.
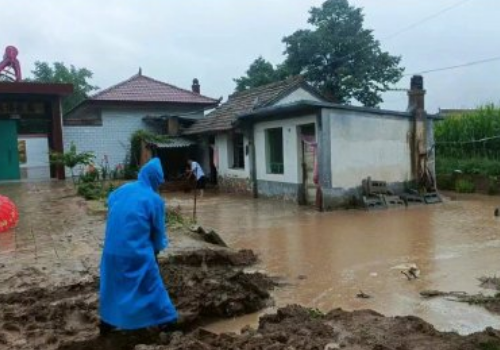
(229, 153)
(104, 122)
(285, 140)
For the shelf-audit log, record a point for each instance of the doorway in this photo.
(308, 147)
(9, 154)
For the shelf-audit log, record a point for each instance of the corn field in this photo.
(469, 142)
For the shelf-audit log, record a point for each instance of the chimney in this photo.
(196, 86)
(416, 95)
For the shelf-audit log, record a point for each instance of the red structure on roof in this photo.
(10, 66)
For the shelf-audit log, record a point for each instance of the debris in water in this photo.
(412, 273)
(437, 293)
(490, 282)
(210, 236)
(362, 295)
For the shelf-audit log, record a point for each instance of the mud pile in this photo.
(67, 318)
(295, 327)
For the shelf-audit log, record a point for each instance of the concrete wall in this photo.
(298, 95)
(37, 166)
(291, 146)
(365, 145)
(362, 145)
(289, 184)
(231, 179)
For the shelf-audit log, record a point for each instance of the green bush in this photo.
(90, 190)
(445, 182)
(493, 187)
(465, 186)
(469, 166)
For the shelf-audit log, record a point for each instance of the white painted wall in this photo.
(111, 139)
(223, 144)
(365, 145)
(291, 146)
(37, 164)
(297, 95)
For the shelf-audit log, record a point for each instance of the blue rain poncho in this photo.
(132, 293)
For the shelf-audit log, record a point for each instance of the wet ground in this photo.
(326, 257)
(329, 257)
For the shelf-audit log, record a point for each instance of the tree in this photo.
(338, 56)
(260, 72)
(59, 73)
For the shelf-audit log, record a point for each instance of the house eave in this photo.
(306, 106)
(88, 104)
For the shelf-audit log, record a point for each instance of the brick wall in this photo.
(111, 139)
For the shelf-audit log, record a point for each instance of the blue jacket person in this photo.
(132, 293)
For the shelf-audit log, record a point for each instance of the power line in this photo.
(468, 64)
(406, 29)
(426, 19)
(468, 142)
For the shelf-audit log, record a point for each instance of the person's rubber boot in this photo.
(105, 329)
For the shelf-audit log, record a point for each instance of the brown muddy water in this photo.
(329, 257)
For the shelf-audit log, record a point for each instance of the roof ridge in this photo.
(291, 79)
(99, 93)
(176, 87)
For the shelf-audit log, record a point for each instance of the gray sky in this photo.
(216, 40)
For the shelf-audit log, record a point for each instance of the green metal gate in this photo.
(9, 155)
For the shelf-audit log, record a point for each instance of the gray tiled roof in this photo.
(223, 117)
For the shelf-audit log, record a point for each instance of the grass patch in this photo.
(465, 186)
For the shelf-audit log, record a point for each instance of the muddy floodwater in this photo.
(329, 257)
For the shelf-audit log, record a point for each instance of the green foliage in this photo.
(316, 313)
(89, 176)
(465, 186)
(489, 346)
(72, 159)
(59, 73)
(338, 56)
(493, 187)
(260, 72)
(469, 166)
(90, 190)
(176, 219)
(94, 190)
(454, 135)
(134, 157)
(445, 182)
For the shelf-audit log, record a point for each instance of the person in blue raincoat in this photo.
(132, 293)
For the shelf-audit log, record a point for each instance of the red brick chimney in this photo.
(196, 86)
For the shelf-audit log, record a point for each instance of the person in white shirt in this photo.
(197, 172)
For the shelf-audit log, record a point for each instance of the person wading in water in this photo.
(196, 171)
